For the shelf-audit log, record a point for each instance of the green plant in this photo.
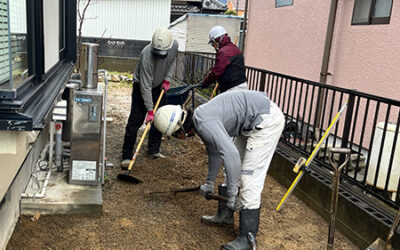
(230, 13)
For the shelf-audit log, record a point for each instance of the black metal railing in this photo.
(369, 126)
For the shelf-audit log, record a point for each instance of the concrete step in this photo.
(61, 197)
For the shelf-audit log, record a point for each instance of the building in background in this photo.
(182, 7)
(288, 36)
(123, 28)
(237, 5)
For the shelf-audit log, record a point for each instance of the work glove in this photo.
(165, 85)
(234, 203)
(203, 85)
(207, 188)
(150, 116)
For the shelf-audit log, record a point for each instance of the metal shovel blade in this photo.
(378, 244)
(128, 178)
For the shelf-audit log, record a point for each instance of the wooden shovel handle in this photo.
(144, 133)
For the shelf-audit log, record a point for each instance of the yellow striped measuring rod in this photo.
(302, 164)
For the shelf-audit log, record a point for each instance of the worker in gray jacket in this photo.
(257, 124)
(152, 73)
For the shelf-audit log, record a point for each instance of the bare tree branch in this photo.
(81, 16)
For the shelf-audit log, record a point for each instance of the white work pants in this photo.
(242, 86)
(256, 149)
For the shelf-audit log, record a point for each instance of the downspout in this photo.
(242, 44)
(325, 64)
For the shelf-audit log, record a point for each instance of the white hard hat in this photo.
(169, 118)
(162, 41)
(216, 32)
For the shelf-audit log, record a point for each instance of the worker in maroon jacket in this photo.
(228, 70)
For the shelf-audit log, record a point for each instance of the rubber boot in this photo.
(248, 223)
(224, 216)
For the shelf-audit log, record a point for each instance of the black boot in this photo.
(224, 216)
(248, 223)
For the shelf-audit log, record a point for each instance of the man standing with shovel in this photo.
(152, 73)
(257, 124)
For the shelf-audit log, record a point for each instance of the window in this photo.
(282, 3)
(372, 12)
(14, 46)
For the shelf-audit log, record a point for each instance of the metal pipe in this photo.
(103, 163)
(325, 62)
(59, 147)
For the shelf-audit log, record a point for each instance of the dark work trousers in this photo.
(136, 119)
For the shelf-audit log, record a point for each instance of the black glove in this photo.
(203, 85)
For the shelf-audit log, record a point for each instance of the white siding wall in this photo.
(179, 33)
(199, 25)
(125, 19)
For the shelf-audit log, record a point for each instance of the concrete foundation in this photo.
(62, 198)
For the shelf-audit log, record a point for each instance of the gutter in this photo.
(243, 42)
(325, 62)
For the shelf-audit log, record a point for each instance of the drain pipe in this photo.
(59, 147)
(325, 65)
(42, 192)
(243, 42)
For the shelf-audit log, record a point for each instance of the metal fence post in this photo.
(347, 126)
(262, 81)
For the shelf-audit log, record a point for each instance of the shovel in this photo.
(190, 189)
(127, 177)
(380, 244)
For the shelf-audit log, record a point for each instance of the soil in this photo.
(134, 219)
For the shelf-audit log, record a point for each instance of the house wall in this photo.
(125, 19)
(26, 154)
(178, 31)
(288, 40)
(291, 39)
(14, 146)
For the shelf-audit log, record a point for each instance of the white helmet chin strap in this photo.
(182, 121)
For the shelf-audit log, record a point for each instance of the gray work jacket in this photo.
(228, 115)
(152, 71)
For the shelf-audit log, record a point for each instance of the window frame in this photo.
(61, 37)
(33, 48)
(371, 19)
(285, 5)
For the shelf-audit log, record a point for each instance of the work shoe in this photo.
(125, 164)
(248, 223)
(158, 155)
(224, 216)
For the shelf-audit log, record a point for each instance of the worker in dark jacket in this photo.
(229, 69)
(152, 73)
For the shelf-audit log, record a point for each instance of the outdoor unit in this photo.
(86, 108)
